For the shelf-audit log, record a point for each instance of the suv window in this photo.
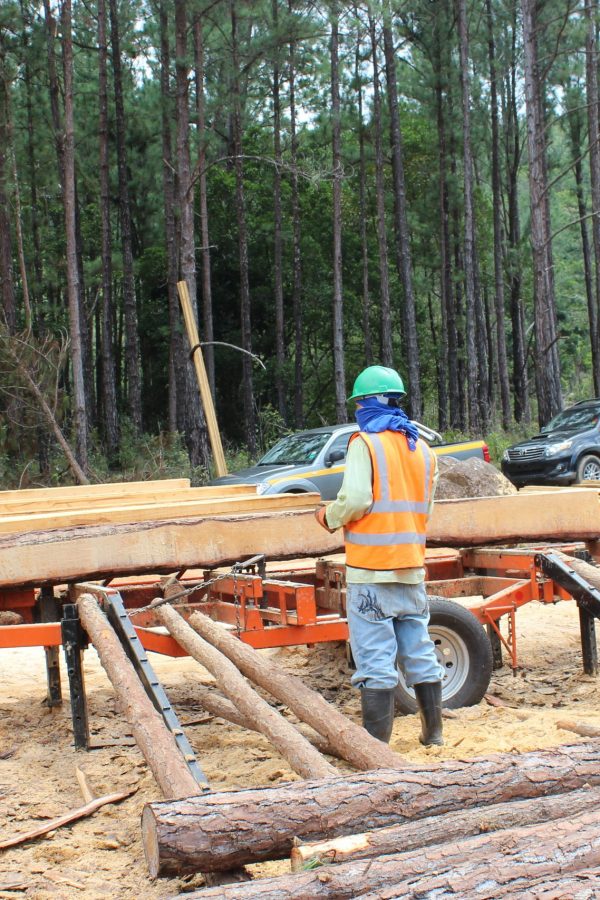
(296, 449)
(341, 442)
(574, 418)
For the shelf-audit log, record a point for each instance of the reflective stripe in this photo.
(383, 540)
(384, 481)
(427, 457)
(384, 506)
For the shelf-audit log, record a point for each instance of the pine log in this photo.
(582, 568)
(350, 740)
(222, 830)
(87, 552)
(217, 705)
(301, 755)
(580, 885)
(484, 863)
(439, 829)
(148, 728)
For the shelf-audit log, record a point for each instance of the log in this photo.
(582, 728)
(582, 568)
(218, 831)
(483, 863)
(148, 728)
(580, 885)
(351, 741)
(79, 554)
(438, 829)
(300, 754)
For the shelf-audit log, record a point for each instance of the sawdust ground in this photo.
(102, 856)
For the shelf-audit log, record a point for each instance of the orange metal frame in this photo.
(268, 612)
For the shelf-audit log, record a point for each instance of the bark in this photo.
(302, 756)
(482, 864)
(277, 226)
(498, 230)
(149, 730)
(547, 360)
(177, 371)
(31, 161)
(132, 342)
(232, 828)
(69, 205)
(591, 70)
(339, 370)
(401, 232)
(362, 212)
(240, 210)
(350, 740)
(195, 421)
(387, 353)
(108, 391)
(207, 306)
(443, 829)
(296, 250)
(475, 334)
(7, 290)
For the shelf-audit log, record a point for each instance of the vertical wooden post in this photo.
(205, 394)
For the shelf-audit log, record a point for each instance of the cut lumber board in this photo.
(231, 828)
(106, 489)
(78, 554)
(484, 863)
(145, 512)
(158, 495)
(545, 516)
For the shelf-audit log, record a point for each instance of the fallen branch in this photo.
(66, 819)
(582, 728)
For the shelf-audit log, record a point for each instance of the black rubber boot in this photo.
(378, 712)
(429, 700)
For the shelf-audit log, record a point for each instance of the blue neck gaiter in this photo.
(373, 416)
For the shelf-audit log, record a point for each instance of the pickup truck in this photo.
(566, 451)
(314, 461)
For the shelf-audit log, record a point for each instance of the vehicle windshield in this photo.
(574, 418)
(296, 449)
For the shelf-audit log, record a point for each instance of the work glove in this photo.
(322, 520)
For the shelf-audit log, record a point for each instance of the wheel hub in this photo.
(453, 657)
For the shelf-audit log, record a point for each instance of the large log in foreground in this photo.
(439, 829)
(294, 747)
(150, 732)
(351, 741)
(484, 863)
(222, 830)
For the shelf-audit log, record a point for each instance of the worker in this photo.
(383, 504)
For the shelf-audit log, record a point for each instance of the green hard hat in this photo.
(377, 380)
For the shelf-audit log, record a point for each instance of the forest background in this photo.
(339, 184)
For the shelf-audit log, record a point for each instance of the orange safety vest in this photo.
(391, 534)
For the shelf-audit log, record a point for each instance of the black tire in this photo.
(463, 648)
(588, 468)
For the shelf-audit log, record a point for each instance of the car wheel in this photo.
(588, 469)
(463, 650)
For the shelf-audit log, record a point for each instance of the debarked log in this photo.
(350, 740)
(222, 830)
(484, 863)
(449, 827)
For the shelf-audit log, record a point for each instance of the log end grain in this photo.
(150, 841)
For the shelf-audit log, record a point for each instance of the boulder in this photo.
(473, 477)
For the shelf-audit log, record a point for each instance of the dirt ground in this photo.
(102, 856)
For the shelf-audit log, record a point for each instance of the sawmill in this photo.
(157, 572)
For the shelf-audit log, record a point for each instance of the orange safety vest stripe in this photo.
(391, 534)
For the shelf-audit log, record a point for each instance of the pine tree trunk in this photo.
(240, 211)
(387, 353)
(107, 393)
(296, 250)
(547, 361)
(339, 369)
(498, 230)
(277, 238)
(69, 202)
(591, 70)
(132, 342)
(195, 422)
(7, 291)
(207, 304)
(402, 236)
(362, 211)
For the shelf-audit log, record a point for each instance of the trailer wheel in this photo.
(463, 650)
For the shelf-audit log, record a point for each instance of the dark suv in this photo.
(567, 449)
